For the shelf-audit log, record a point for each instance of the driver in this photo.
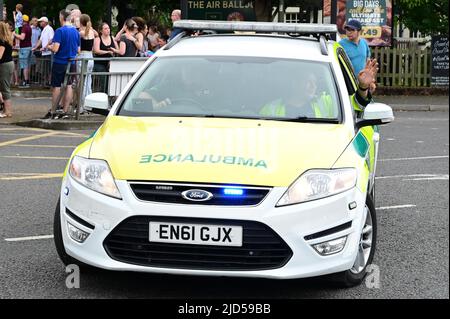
(189, 89)
(157, 104)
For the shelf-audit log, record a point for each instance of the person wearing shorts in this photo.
(25, 50)
(59, 74)
(65, 46)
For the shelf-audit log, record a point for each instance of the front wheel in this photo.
(366, 250)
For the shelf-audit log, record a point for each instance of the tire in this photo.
(356, 275)
(372, 193)
(59, 244)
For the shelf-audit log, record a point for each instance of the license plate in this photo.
(196, 234)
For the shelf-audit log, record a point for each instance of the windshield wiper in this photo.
(303, 119)
(299, 119)
(227, 116)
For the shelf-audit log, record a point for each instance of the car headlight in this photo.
(319, 183)
(94, 174)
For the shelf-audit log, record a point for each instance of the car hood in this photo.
(216, 150)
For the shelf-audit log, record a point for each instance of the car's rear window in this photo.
(244, 87)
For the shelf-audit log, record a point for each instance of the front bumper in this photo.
(291, 223)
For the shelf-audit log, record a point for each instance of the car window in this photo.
(244, 87)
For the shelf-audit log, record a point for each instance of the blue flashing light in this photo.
(233, 191)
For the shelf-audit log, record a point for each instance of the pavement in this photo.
(415, 102)
(30, 106)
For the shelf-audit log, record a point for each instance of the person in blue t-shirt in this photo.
(65, 46)
(356, 47)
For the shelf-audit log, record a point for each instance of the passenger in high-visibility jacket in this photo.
(304, 99)
(319, 107)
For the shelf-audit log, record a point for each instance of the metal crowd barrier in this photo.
(40, 72)
(112, 82)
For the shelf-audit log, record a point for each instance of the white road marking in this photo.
(434, 178)
(395, 207)
(413, 158)
(390, 139)
(35, 157)
(417, 177)
(419, 142)
(29, 238)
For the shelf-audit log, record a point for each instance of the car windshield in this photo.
(241, 87)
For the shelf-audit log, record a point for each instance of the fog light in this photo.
(77, 234)
(331, 247)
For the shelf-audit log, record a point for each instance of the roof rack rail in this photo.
(175, 40)
(263, 27)
(323, 45)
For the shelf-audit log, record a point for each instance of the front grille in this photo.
(172, 193)
(261, 248)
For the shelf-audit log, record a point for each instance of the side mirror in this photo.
(98, 102)
(376, 114)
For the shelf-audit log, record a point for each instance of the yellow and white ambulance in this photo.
(245, 153)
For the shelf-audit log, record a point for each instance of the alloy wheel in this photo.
(365, 244)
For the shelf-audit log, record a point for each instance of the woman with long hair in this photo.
(6, 69)
(87, 37)
(141, 36)
(128, 42)
(104, 47)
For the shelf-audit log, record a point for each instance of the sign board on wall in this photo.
(439, 61)
(374, 15)
(235, 10)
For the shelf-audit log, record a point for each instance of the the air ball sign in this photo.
(236, 10)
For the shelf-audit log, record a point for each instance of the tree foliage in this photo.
(427, 16)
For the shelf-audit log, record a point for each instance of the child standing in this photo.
(18, 21)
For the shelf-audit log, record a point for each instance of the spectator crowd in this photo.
(34, 45)
(29, 44)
